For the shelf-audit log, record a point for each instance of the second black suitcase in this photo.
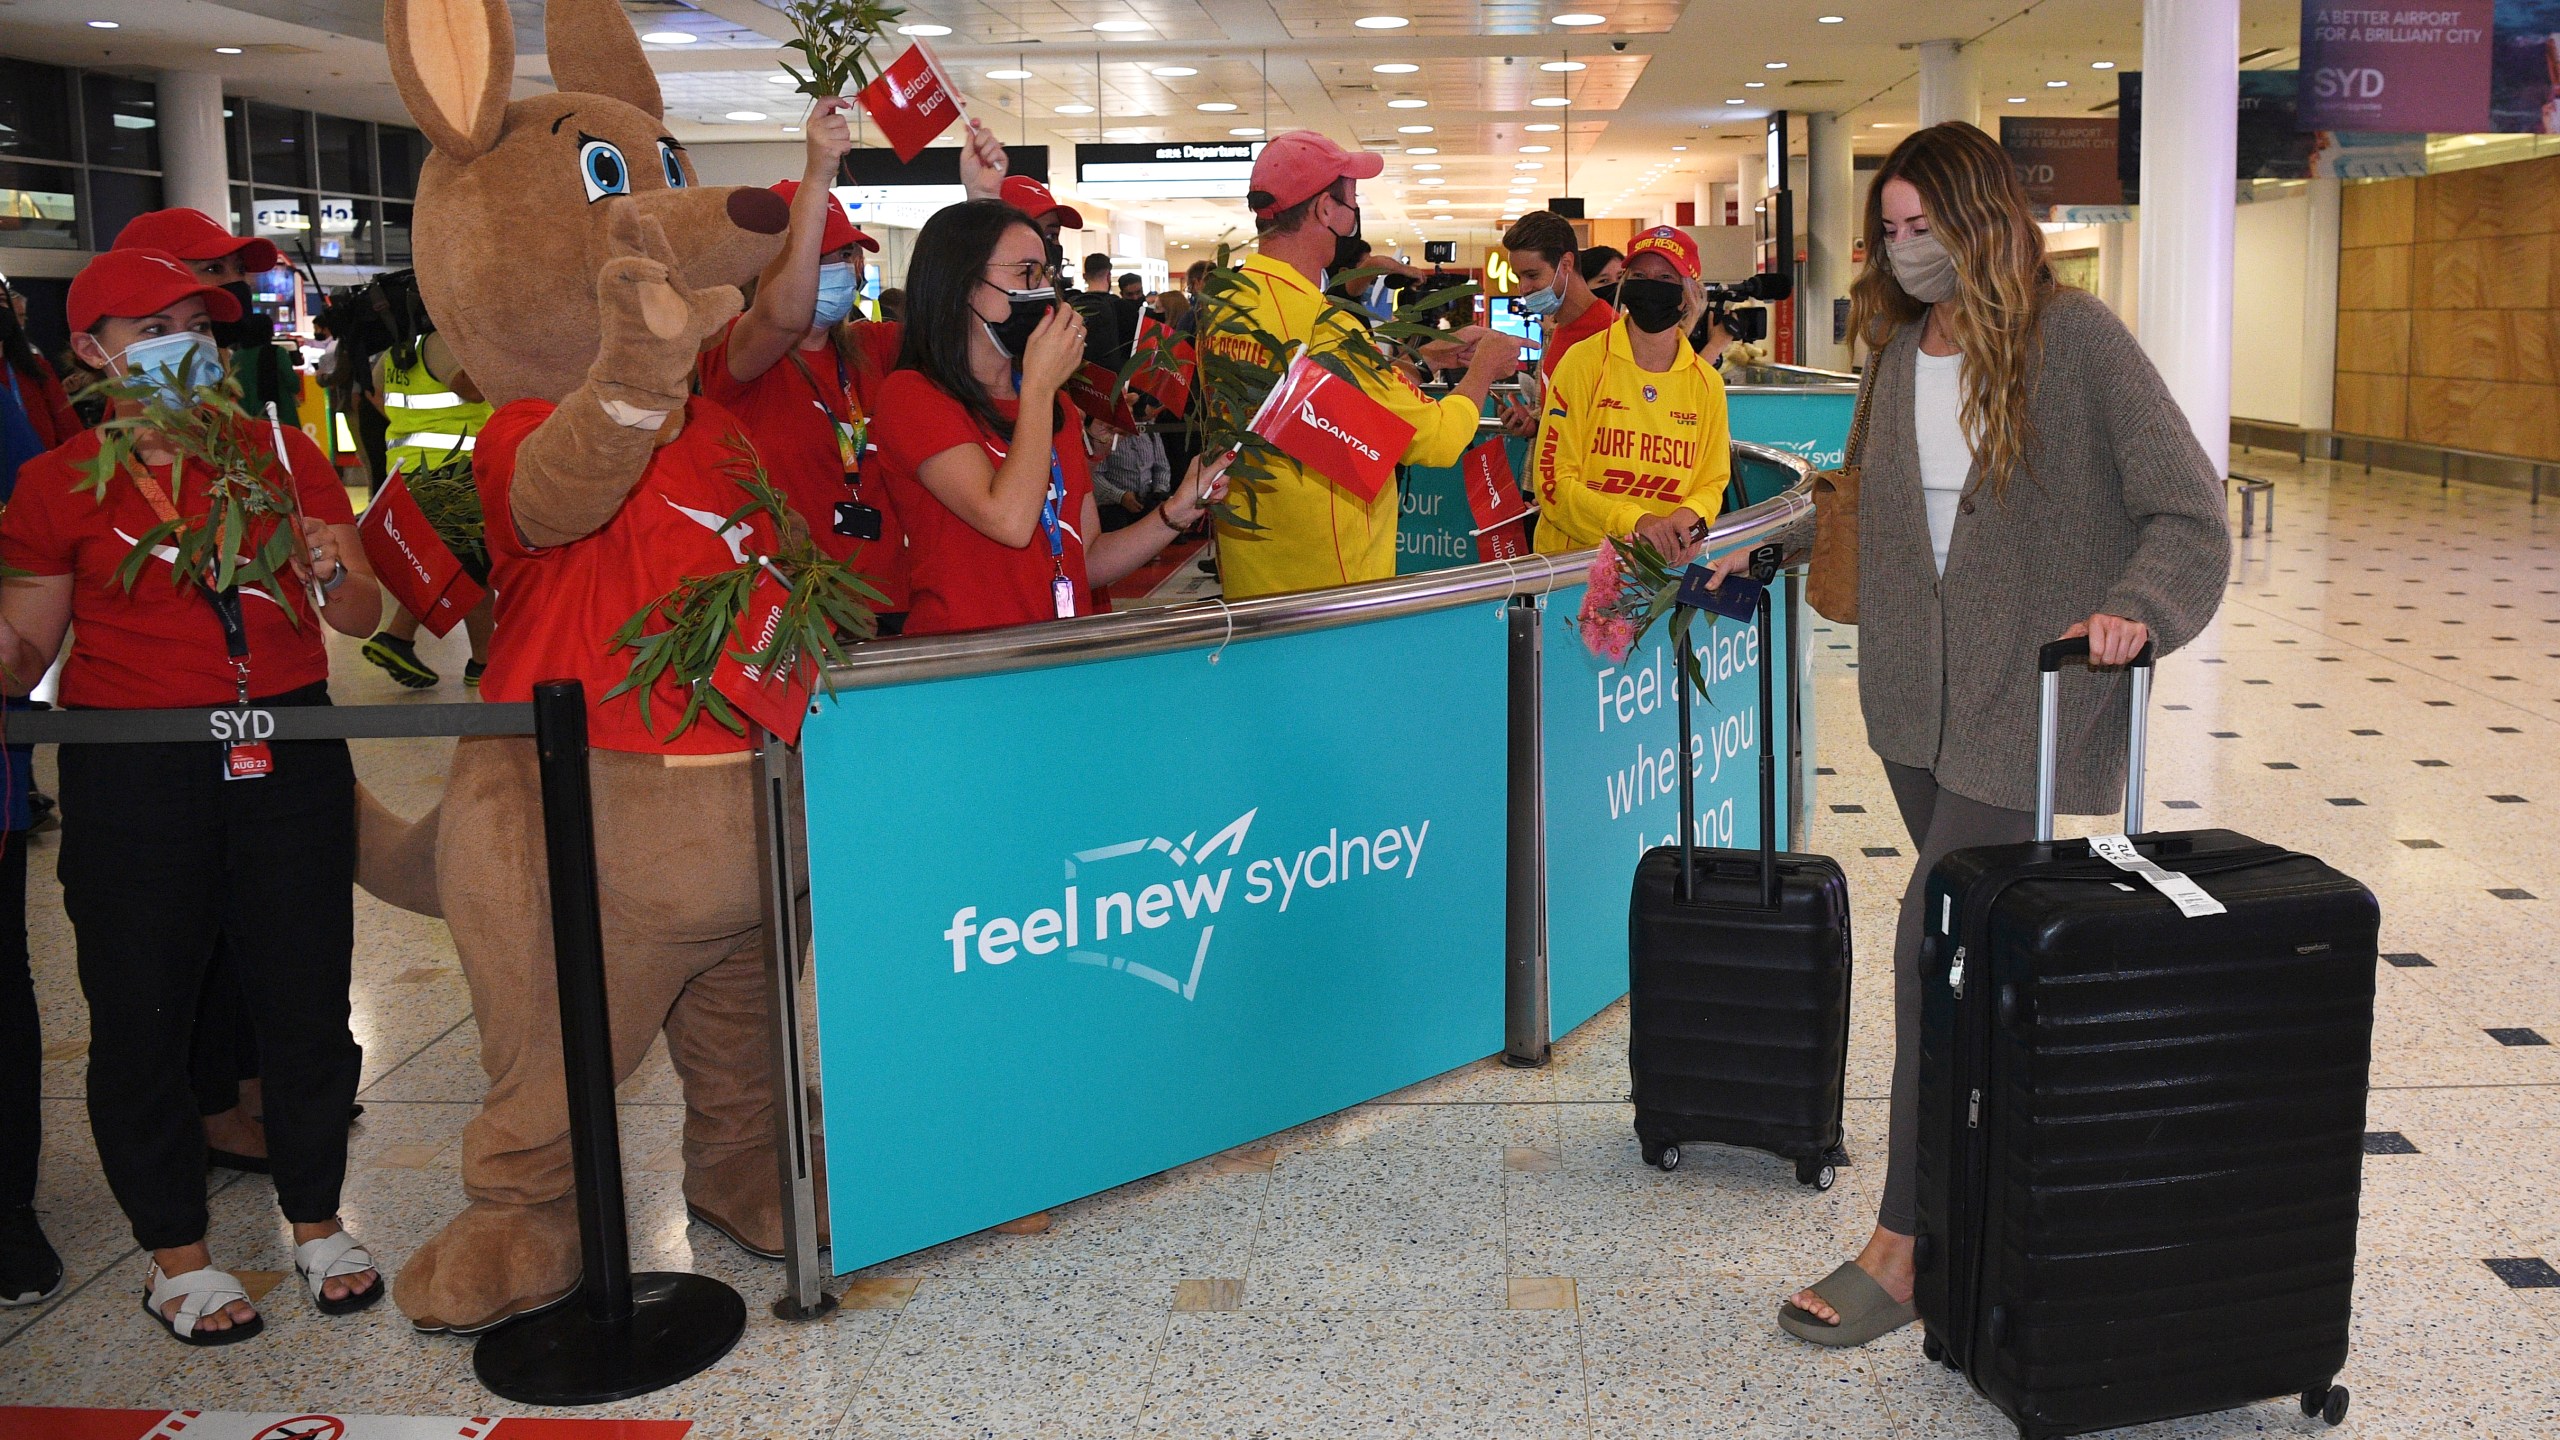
(2141, 1131)
(1738, 984)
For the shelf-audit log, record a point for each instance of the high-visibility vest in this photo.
(428, 422)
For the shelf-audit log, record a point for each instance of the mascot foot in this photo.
(493, 1263)
(741, 1197)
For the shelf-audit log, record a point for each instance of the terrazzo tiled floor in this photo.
(1483, 1254)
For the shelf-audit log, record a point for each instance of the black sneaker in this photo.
(30, 1273)
(399, 659)
(42, 814)
(472, 670)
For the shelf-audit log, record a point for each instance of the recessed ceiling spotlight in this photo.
(1382, 22)
(2056, 84)
(1437, 219)
(746, 116)
(1407, 129)
(1679, 147)
(1075, 110)
(1173, 72)
(1394, 67)
(1561, 67)
(2017, 99)
(1733, 102)
(1408, 104)
(1423, 150)
(2102, 64)
(1431, 180)
(1829, 19)
(998, 75)
(1534, 149)
(1543, 127)
(1528, 164)
(925, 31)
(790, 129)
(1120, 27)
(1550, 101)
(662, 37)
(1246, 130)
(1774, 65)
(1217, 107)
(1755, 84)
(1434, 165)
(1577, 18)
(111, 25)
(226, 49)
(1882, 124)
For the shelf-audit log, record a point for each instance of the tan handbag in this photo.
(1831, 584)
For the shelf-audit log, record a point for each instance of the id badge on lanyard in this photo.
(242, 758)
(1062, 590)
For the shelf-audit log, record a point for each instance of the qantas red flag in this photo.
(1332, 427)
(412, 561)
(913, 101)
(775, 698)
(1164, 366)
(1493, 497)
(1099, 394)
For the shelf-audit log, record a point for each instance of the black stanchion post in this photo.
(804, 1296)
(1526, 1017)
(626, 1334)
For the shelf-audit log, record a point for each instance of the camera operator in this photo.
(1635, 440)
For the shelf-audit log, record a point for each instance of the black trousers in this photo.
(163, 861)
(21, 1043)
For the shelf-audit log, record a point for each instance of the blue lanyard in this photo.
(1049, 519)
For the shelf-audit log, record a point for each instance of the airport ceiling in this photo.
(1627, 113)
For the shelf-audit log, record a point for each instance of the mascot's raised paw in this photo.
(493, 1263)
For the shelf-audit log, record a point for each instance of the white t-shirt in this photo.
(1937, 413)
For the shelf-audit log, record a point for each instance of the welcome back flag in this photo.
(912, 101)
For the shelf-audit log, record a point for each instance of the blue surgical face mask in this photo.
(838, 283)
(1543, 303)
(174, 364)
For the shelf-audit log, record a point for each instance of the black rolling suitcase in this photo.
(1738, 983)
(2141, 1129)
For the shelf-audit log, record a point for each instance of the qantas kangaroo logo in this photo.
(168, 555)
(1307, 415)
(734, 536)
(1145, 929)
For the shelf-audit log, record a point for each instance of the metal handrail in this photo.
(1157, 629)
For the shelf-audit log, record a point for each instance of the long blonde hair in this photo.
(1978, 210)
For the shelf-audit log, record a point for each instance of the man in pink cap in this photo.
(1310, 533)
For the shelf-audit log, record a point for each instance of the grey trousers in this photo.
(1939, 821)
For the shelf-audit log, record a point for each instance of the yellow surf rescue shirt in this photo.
(1314, 533)
(1619, 443)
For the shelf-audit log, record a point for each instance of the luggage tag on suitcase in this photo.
(1738, 598)
(2183, 891)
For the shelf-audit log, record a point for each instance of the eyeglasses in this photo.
(1024, 275)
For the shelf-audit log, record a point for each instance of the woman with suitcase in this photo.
(2027, 476)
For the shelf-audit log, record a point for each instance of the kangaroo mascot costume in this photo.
(575, 269)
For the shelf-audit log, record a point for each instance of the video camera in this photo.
(378, 316)
(1725, 302)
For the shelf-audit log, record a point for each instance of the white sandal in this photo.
(199, 1293)
(335, 1257)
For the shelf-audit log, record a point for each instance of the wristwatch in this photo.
(336, 578)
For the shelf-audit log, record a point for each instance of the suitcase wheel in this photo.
(2329, 1403)
(1820, 1174)
(1931, 1350)
(1662, 1157)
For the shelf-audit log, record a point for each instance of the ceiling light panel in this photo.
(1325, 19)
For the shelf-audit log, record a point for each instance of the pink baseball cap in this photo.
(1295, 166)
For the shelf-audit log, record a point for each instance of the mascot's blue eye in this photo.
(675, 171)
(601, 169)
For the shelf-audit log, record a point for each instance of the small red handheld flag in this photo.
(1332, 427)
(912, 101)
(777, 697)
(1164, 371)
(413, 562)
(1098, 393)
(1493, 498)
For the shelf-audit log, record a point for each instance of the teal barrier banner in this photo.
(1612, 735)
(1432, 532)
(1078, 925)
(1811, 424)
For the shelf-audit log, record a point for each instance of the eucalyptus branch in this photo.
(448, 497)
(683, 634)
(835, 39)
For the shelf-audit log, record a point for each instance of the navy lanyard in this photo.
(1050, 520)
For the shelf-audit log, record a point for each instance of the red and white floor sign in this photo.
(38, 1423)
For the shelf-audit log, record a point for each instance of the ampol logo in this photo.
(1119, 922)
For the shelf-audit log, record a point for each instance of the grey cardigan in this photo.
(2120, 512)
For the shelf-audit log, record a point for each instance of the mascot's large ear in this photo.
(455, 62)
(594, 49)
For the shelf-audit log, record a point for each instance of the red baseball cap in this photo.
(193, 235)
(130, 282)
(840, 231)
(1033, 199)
(1295, 166)
(1671, 243)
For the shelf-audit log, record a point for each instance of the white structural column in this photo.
(195, 167)
(1750, 186)
(1710, 210)
(1831, 225)
(1948, 87)
(2320, 306)
(2190, 134)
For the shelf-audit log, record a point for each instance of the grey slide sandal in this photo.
(1866, 1312)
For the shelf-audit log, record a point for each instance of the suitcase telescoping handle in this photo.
(2049, 729)
(1764, 568)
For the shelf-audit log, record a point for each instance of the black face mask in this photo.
(1348, 252)
(1606, 294)
(1651, 305)
(252, 328)
(1026, 309)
